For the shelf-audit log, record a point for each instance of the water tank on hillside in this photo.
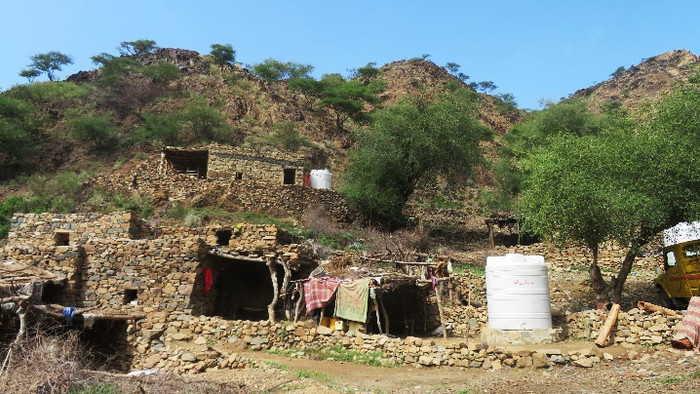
(321, 179)
(517, 291)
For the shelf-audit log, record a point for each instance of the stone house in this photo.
(227, 162)
(114, 270)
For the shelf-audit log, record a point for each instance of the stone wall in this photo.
(229, 162)
(183, 343)
(42, 228)
(633, 327)
(253, 195)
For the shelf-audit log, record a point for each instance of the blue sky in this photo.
(533, 49)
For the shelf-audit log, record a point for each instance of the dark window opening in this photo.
(289, 176)
(188, 161)
(107, 343)
(53, 293)
(61, 238)
(223, 237)
(239, 176)
(130, 295)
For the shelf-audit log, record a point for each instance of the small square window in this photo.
(61, 238)
(239, 176)
(131, 296)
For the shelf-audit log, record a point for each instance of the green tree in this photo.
(98, 130)
(19, 133)
(274, 70)
(138, 47)
(30, 74)
(223, 54)
(202, 122)
(165, 129)
(48, 63)
(366, 73)
(162, 73)
(453, 68)
(416, 139)
(618, 71)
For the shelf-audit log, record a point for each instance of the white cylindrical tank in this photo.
(321, 179)
(517, 292)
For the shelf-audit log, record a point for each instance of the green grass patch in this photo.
(339, 353)
(98, 388)
(464, 268)
(315, 375)
(669, 380)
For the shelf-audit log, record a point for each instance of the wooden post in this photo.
(442, 315)
(607, 327)
(376, 309)
(275, 289)
(651, 308)
(386, 315)
(285, 284)
(22, 313)
(489, 223)
(297, 308)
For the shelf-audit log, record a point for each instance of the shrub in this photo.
(98, 130)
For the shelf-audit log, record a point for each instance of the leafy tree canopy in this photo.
(138, 47)
(223, 54)
(274, 70)
(417, 138)
(48, 63)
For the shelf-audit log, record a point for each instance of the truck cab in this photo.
(680, 278)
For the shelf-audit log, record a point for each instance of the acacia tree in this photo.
(417, 138)
(138, 47)
(223, 54)
(615, 185)
(48, 63)
(274, 70)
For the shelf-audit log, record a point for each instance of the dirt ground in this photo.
(650, 371)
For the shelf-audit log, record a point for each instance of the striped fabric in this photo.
(689, 327)
(319, 291)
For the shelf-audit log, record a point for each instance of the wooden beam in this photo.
(442, 314)
(275, 289)
(651, 308)
(607, 327)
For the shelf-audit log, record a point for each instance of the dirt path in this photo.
(654, 371)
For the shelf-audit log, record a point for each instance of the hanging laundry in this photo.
(351, 302)
(319, 291)
(208, 280)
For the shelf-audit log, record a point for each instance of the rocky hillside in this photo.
(644, 83)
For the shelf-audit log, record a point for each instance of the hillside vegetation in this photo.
(412, 142)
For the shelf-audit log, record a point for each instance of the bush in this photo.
(162, 73)
(98, 130)
(286, 136)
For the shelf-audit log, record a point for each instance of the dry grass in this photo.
(40, 363)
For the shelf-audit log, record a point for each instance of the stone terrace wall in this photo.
(183, 343)
(633, 327)
(226, 161)
(237, 195)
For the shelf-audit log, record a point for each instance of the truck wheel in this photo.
(664, 299)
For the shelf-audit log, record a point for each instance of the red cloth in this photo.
(319, 291)
(208, 279)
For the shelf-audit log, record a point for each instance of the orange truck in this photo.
(680, 277)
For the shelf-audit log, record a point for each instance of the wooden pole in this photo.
(297, 308)
(376, 309)
(607, 327)
(386, 315)
(442, 315)
(490, 224)
(275, 289)
(651, 308)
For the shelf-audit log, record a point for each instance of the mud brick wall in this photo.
(228, 161)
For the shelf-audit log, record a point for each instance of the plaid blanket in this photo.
(319, 291)
(689, 327)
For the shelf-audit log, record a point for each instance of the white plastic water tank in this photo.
(320, 179)
(517, 291)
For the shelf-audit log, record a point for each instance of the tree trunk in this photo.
(600, 286)
(625, 270)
